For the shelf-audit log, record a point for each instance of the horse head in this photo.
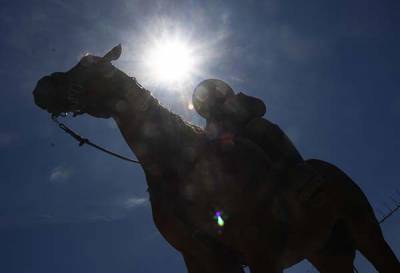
(85, 88)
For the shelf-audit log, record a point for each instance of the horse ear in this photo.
(113, 54)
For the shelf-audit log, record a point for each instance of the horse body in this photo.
(219, 202)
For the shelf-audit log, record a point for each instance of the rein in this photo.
(83, 141)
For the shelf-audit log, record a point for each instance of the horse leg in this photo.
(332, 264)
(338, 253)
(192, 265)
(263, 264)
(360, 221)
(264, 267)
(215, 264)
(371, 243)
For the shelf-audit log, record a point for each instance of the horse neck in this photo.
(160, 139)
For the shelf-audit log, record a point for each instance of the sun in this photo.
(170, 61)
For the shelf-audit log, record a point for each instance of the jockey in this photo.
(229, 115)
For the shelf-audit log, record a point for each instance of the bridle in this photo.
(83, 140)
(74, 92)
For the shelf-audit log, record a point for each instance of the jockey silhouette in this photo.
(229, 115)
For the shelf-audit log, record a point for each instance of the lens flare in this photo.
(218, 218)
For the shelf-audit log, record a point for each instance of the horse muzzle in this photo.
(53, 93)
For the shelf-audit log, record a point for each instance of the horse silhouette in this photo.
(220, 203)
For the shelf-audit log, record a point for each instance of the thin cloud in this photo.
(297, 47)
(134, 202)
(60, 174)
(6, 138)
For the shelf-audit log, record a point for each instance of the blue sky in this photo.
(327, 70)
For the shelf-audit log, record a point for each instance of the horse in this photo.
(220, 203)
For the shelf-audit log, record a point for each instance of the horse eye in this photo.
(88, 60)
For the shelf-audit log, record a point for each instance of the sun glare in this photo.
(171, 61)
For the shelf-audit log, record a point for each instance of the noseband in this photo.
(74, 94)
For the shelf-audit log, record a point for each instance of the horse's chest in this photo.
(204, 200)
(170, 217)
(198, 210)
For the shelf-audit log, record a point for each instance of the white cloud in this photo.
(60, 174)
(134, 202)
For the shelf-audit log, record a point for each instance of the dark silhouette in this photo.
(231, 115)
(219, 203)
